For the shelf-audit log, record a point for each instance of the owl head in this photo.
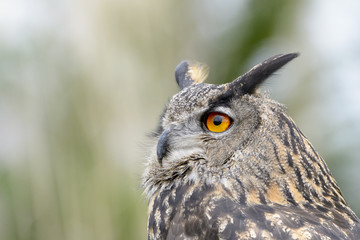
(207, 127)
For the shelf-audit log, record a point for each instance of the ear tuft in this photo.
(249, 82)
(190, 72)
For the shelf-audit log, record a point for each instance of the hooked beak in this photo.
(163, 145)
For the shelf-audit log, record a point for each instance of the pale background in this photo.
(82, 83)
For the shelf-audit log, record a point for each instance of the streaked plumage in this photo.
(259, 179)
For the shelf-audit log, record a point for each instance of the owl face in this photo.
(206, 121)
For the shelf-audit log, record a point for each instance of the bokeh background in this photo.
(82, 83)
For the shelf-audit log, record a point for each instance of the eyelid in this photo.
(221, 109)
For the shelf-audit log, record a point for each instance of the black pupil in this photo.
(217, 120)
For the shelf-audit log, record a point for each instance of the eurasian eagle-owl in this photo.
(229, 163)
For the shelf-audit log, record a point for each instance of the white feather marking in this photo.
(198, 71)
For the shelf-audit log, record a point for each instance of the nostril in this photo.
(162, 146)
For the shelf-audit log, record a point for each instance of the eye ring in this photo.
(217, 122)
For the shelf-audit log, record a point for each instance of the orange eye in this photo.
(217, 122)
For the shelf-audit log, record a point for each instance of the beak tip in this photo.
(160, 156)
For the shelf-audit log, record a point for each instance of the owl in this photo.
(229, 163)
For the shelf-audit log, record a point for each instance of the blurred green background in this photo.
(82, 83)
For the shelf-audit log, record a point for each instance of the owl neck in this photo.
(286, 171)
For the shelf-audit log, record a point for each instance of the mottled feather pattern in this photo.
(261, 179)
